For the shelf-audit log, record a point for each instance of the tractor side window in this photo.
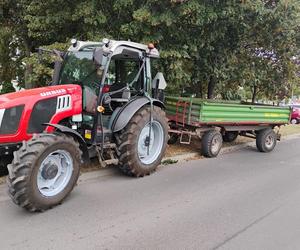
(123, 72)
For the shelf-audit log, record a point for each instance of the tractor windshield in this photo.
(78, 67)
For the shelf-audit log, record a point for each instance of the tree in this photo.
(208, 48)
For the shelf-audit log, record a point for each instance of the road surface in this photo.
(241, 200)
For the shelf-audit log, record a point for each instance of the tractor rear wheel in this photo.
(140, 147)
(44, 171)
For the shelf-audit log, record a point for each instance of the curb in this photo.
(225, 150)
(178, 158)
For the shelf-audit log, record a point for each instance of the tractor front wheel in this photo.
(44, 171)
(142, 144)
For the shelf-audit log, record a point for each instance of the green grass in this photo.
(290, 130)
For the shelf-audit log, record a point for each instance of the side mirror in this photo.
(159, 81)
(99, 57)
(158, 86)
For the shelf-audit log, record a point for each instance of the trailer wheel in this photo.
(266, 140)
(173, 138)
(230, 136)
(139, 153)
(44, 171)
(211, 143)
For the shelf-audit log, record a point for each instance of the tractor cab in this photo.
(111, 74)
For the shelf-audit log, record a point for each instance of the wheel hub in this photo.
(269, 141)
(150, 142)
(55, 173)
(49, 171)
(147, 141)
(216, 143)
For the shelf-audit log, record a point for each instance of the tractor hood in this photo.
(31, 96)
(23, 113)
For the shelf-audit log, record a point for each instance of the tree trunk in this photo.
(200, 90)
(211, 87)
(28, 68)
(27, 77)
(254, 93)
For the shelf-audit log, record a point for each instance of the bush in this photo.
(7, 87)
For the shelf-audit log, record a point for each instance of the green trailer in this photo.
(217, 121)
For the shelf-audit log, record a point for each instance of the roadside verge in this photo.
(97, 172)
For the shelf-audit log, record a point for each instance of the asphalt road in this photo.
(241, 200)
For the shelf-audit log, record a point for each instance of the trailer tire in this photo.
(266, 140)
(173, 138)
(44, 171)
(132, 142)
(230, 136)
(211, 143)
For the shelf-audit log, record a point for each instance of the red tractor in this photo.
(102, 103)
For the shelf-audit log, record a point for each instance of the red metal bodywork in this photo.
(28, 98)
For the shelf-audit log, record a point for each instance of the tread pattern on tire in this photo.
(126, 143)
(22, 166)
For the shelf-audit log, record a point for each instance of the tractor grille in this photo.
(10, 119)
(63, 103)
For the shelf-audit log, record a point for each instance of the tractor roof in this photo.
(112, 46)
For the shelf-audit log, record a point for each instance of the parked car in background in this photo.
(295, 117)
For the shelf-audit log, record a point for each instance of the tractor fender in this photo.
(127, 111)
(68, 131)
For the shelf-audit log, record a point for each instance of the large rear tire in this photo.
(266, 140)
(44, 171)
(211, 143)
(134, 142)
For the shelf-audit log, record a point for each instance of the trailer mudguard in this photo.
(127, 111)
(82, 144)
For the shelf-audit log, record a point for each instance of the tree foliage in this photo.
(208, 48)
